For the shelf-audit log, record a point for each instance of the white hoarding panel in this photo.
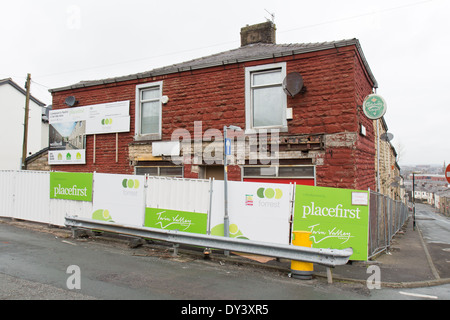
(119, 198)
(257, 211)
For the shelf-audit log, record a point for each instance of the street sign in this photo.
(374, 106)
(447, 173)
(227, 147)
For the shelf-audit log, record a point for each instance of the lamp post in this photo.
(226, 151)
(414, 200)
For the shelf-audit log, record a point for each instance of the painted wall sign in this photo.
(333, 218)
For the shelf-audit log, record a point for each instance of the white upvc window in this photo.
(148, 111)
(265, 100)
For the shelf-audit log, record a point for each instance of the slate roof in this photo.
(252, 52)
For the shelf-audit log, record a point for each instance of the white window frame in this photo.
(249, 100)
(137, 131)
(273, 172)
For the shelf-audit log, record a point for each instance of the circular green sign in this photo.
(374, 106)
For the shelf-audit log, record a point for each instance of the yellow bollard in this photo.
(299, 269)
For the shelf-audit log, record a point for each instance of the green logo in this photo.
(106, 122)
(269, 193)
(374, 106)
(235, 232)
(130, 183)
(102, 215)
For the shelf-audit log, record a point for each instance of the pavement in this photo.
(407, 263)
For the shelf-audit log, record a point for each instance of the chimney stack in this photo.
(258, 33)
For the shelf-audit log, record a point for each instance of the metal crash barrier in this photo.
(326, 257)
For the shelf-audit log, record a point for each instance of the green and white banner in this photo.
(336, 218)
(185, 221)
(257, 211)
(119, 198)
(71, 186)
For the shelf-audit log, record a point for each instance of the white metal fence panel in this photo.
(32, 196)
(59, 209)
(7, 187)
(25, 195)
(178, 194)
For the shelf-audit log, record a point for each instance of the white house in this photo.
(12, 108)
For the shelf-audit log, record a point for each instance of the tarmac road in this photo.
(435, 229)
(33, 265)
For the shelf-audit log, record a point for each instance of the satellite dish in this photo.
(293, 84)
(394, 184)
(387, 136)
(70, 101)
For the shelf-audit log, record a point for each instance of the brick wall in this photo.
(335, 85)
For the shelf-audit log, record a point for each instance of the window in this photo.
(265, 100)
(176, 172)
(279, 172)
(148, 111)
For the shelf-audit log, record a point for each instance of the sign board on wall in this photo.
(108, 118)
(257, 211)
(71, 186)
(119, 198)
(77, 156)
(336, 218)
(69, 126)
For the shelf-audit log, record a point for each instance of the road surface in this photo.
(435, 229)
(40, 265)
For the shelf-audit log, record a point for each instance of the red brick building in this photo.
(323, 136)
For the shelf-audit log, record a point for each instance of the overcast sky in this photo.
(406, 43)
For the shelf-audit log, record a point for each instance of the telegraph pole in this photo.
(25, 125)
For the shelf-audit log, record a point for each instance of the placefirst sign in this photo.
(374, 106)
(71, 186)
(336, 218)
